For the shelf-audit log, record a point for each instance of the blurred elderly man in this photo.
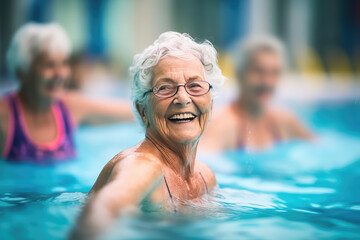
(250, 122)
(173, 87)
(37, 122)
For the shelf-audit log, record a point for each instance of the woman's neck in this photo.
(179, 157)
(33, 102)
(251, 111)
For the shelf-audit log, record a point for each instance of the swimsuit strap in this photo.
(206, 187)
(171, 197)
(67, 118)
(167, 186)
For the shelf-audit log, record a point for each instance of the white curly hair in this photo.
(177, 45)
(253, 44)
(32, 39)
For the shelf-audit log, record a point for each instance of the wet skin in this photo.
(250, 120)
(169, 149)
(41, 86)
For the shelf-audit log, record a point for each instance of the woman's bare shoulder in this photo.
(129, 165)
(4, 109)
(134, 160)
(4, 122)
(207, 173)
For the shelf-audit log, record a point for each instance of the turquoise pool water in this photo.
(295, 191)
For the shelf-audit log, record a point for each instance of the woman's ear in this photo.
(142, 114)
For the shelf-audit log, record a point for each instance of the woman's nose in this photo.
(62, 71)
(182, 97)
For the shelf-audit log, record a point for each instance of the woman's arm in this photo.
(97, 111)
(297, 129)
(4, 124)
(207, 173)
(126, 188)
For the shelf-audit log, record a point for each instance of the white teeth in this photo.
(181, 116)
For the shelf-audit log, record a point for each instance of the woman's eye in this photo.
(194, 85)
(48, 64)
(164, 87)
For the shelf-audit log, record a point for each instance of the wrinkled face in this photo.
(181, 118)
(47, 74)
(261, 77)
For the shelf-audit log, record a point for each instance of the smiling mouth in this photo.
(182, 117)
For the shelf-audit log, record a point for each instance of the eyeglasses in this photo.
(193, 88)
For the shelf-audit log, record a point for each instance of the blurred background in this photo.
(322, 37)
(299, 190)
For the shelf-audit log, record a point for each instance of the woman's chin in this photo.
(183, 138)
(53, 93)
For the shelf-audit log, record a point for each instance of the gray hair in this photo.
(177, 45)
(248, 48)
(33, 39)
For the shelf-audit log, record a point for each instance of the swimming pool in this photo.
(295, 191)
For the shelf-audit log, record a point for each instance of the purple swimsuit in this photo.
(20, 147)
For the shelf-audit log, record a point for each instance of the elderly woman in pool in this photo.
(173, 85)
(38, 121)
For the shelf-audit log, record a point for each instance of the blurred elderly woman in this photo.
(174, 81)
(251, 121)
(37, 122)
